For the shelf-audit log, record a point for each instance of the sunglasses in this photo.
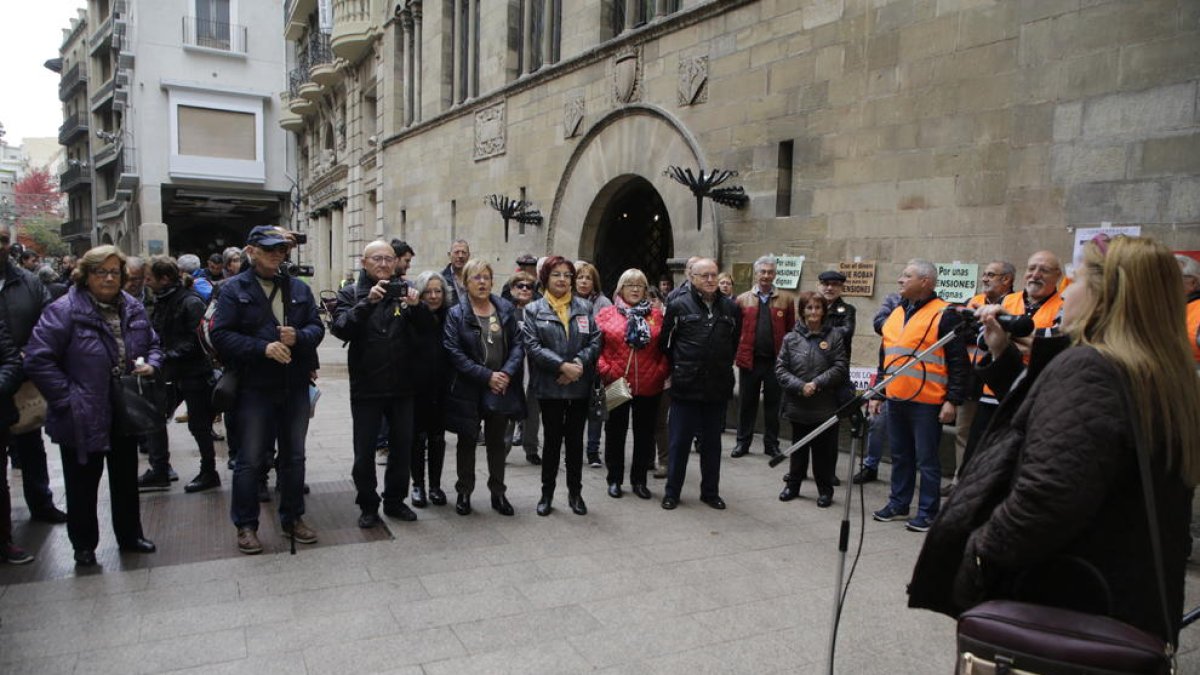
(524, 286)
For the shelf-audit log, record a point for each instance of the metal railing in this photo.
(74, 176)
(78, 228)
(105, 91)
(71, 81)
(319, 51)
(296, 78)
(228, 37)
(72, 127)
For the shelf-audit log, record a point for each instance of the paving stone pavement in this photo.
(627, 588)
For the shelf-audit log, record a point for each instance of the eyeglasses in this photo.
(277, 248)
(381, 259)
(637, 286)
(524, 286)
(111, 274)
(481, 278)
(989, 275)
(561, 275)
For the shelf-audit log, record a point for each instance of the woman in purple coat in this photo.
(81, 340)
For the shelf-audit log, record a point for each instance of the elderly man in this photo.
(700, 331)
(267, 330)
(459, 254)
(1040, 300)
(921, 399)
(135, 280)
(22, 297)
(189, 263)
(686, 286)
(1190, 268)
(767, 315)
(379, 317)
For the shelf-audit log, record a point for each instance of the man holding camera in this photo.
(379, 316)
(266, 330)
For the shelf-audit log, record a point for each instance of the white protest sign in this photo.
(787, 271)
(957, 281)
(1084, 234)
(862, 377)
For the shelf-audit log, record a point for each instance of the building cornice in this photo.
(184, 85)
(597, 54)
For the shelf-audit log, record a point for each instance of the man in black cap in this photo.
(830, 285)
(267, 330)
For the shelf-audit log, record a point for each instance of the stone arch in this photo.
(639, 140)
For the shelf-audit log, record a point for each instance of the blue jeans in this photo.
(266, 417)
(876, 430)
(914, 433)
(686, 421)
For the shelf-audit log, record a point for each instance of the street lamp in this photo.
(705, 185)
(514, 209)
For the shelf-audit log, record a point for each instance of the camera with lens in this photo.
(300, 238)
(397, 288)
(296, 270)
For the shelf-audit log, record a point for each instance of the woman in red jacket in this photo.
(631, 330)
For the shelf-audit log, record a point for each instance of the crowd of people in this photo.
(551, 364)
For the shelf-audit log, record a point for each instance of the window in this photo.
(213, 23)
(460, 76)
(783, 189)
(215, 134)
(541, 34)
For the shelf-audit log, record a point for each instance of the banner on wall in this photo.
(957, 281)
(787, 271)
(1084, 234)
(860, 278)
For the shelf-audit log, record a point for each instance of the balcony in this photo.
(352, 28)
(214, 35)
(105, 93)
(72, 128)
(76, 230)
(322, 69)
(126, 170)
(75, 177)
(109, 152)
(287, 119)
(111, 208)
(295, 17)
(75, 78)
(101, 38)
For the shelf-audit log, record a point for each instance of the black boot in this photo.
(463, 506)
(207, 480)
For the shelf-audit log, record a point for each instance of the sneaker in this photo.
(918, 524)
(247, 541)
(302, 533)
(206, 480)
(14, 555)
(399, 512)
(887, 514)
(866, 474)
(594, 461)
(381, 455)
(660, 471)
(153, 481)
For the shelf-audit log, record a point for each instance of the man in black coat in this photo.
(379, 316)
(459, 254)
(10, 381)
(700, 333)
(22, 297)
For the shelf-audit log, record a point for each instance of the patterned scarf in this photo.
(561, 307)
(637, 331)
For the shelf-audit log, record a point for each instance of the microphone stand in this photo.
(853, 410)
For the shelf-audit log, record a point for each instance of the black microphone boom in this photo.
(1016, 325)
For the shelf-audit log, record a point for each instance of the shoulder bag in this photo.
(30, 406)
(1009, 636)
(617, 392)
(139, 404)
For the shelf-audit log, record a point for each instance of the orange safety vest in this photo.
(974, 353)
(902, 341)
(1193, 326)
(1014, 303)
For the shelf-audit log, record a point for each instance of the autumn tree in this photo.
(37, 204)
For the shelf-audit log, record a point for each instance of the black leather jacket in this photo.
(701, 342)
(819, 357)
(21, 302)
(382, 338)
(548, 345)
(175, 317)
(10, 378)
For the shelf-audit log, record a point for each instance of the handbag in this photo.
(139, 405)
(1009, 636)
(617, 392)
(30, 406)
(224, 394)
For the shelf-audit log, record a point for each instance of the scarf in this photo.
(637, 331)
(561, 307)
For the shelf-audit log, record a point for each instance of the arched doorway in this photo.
(633, 229)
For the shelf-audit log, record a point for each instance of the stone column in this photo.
(406, 23)
(631, 13)
(660, 8)
(472, 48)
(527, 45)
(416, 60)
(547, 31)
(457, 55)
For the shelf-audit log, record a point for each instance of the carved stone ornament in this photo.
(490, 128)
(625, 76)
(693, 80)
(573, 112)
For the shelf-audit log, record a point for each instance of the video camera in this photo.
(1017, 325)
(296, 270)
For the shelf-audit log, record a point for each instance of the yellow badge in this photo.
(823, 345)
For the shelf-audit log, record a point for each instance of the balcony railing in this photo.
(297, 77)
(71, 127)
(102, 35)
(76, 229)
(226, 37)
(319, 51)
(105, 92)
(71, 81)
(74, 177)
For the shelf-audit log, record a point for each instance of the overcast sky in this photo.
(30, 33)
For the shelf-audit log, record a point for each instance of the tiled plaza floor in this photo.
(627, 588)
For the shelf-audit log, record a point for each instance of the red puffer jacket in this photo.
(648, 370)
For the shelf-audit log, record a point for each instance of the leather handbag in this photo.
(224, 394)
(139, 405)
(617, 392)
(30, 406)
(1009, 636)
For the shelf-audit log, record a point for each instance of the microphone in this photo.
(1016, 325)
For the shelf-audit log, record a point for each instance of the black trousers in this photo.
(367, 415)
(563, 421)
(196, 392)
(494, 427)
(83, 483)
(644, 410)
(689, 420)
(429, 441)
(5, 496)
(824, 457)
(750, 381)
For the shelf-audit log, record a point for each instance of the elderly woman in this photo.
(587, 286)
(430, 367)
(631, 328)
(812, 364)
(1056, 485)
(563, 344)
(725, 284)
(522, 286)
(81, 341)
(485, 349)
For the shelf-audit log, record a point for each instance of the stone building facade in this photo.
(884, 130)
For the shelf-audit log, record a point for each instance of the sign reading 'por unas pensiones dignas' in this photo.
(957, 281)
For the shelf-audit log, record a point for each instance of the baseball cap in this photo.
(266, 235)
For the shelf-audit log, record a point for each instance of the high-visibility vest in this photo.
(1193, 326)
(925, 382)
(1043, 318)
